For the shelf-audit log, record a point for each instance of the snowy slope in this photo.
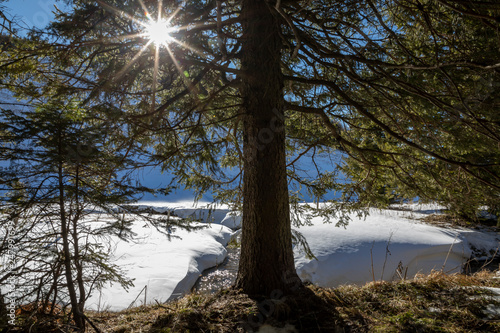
(201, 211)
(168, 268)
(374, 248)
(388, 241)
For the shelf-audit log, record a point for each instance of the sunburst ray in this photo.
(156, 31)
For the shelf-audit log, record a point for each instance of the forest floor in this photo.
(431, 303)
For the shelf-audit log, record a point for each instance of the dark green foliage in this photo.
(67, 160)
(186, 104)
(431, 127)
(59, 168)
(406, 91)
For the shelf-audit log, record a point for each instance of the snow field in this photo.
(162, 270)
(387, 245)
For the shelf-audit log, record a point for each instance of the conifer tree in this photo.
(64, 164)
(61, 167)
(256, 86)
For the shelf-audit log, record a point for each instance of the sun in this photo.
(159, 32)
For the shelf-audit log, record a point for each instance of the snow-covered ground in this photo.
(162, 269)
(387, 245)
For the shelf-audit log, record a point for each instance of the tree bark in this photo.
(266, 263)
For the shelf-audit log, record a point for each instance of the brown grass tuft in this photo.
(431, 303)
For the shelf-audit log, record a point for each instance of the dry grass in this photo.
(445, 220)
(132, 320)
(433, 303)
(448, 220)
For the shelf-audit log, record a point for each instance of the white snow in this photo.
(374, 248)
(232, 220)
(492, 310)
(169, 269)
(386, 245)
(202, 211)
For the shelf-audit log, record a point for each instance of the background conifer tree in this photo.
(241, 92)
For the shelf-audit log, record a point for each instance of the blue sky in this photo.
(32, 12)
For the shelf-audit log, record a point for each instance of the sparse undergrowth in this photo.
(450, 220)
(433, 303)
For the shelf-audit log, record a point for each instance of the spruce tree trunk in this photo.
(266, 263)
(65, 234)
